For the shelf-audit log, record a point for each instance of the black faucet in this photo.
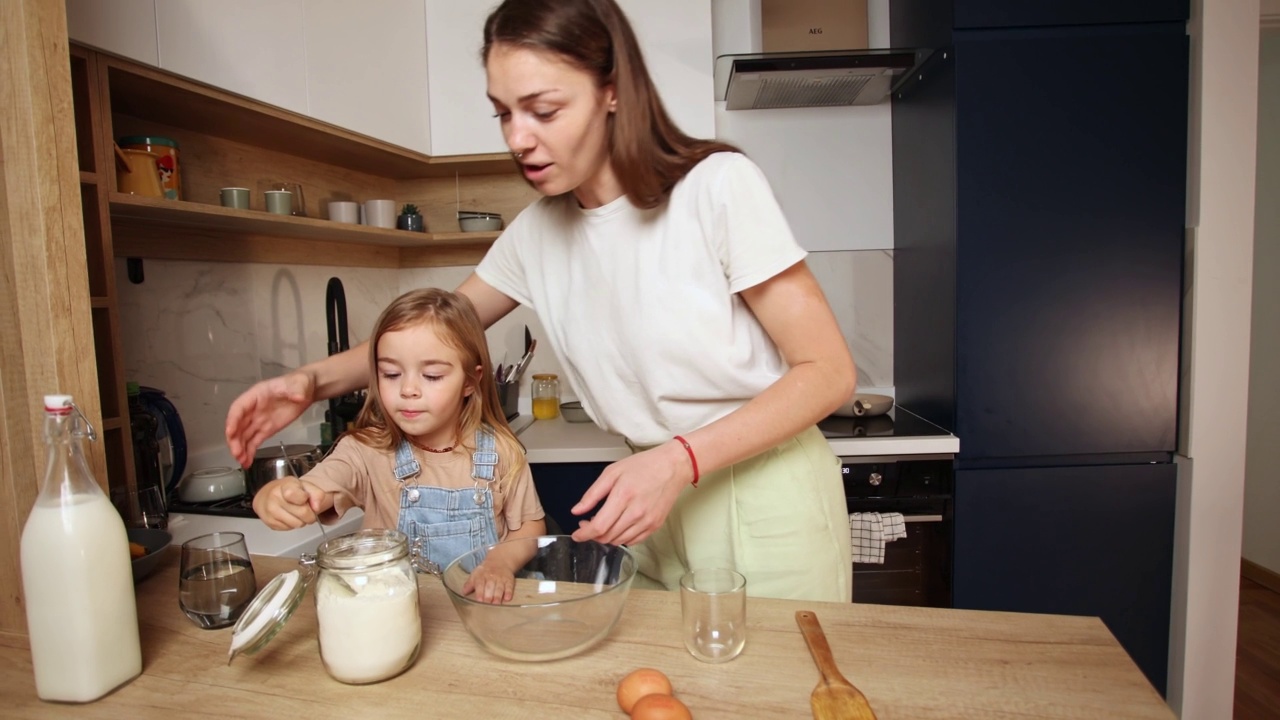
(342, 410)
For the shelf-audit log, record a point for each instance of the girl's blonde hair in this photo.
(648, 152)
(455, 322)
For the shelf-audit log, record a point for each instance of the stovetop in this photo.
(898, 422)
(241, 506)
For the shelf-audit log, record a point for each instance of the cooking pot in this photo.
(211, 484)
(269, 463)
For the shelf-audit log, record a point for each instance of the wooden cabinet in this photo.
(124, 27)
(252, 47)
(366, 69)
(228, 140)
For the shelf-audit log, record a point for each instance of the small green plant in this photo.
(409, 209)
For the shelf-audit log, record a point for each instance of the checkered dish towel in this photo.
(870, 531)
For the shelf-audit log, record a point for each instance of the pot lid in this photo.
(268, 612)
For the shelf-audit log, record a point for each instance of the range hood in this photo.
(823, 78)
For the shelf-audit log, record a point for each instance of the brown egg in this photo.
(660, 707)
(641, 682)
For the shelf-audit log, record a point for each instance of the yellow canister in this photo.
(166, 152)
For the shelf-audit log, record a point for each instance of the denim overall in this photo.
(444, 523)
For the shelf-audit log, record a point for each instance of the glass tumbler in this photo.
(713, 607)
(215, 579)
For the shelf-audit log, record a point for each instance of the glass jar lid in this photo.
(545, 376)
(268, 612)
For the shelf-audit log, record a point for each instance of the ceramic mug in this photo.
(380, 213)
(344, 211)
(279, 202)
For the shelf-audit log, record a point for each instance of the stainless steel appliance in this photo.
(917, 568)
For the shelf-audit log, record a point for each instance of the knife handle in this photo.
(818, 646)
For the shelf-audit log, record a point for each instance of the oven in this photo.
(916, 569)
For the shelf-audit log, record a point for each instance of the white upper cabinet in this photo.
(462, 121)
(407, 72)
(123, 27)
(367, 68)
(252, 47)
(675, 36)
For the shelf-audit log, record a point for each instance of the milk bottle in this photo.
(77, 579)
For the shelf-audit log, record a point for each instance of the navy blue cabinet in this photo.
(1020, 13)
(1039, 201)
(1070, 189)
(560, 487)
(1073, 541)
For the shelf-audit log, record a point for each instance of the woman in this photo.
(680, 306)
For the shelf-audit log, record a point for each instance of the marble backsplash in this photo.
(205, 332)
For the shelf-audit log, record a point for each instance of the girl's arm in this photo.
(639, 491)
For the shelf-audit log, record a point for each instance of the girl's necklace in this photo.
(439, 451)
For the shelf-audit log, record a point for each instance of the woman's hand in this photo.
(262, 410)
(638, 492)
(289, 503)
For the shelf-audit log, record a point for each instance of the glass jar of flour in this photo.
(367, 606)
(366, 596)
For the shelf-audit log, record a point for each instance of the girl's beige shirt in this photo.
(364, 477)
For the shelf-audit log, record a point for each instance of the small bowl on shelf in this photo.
(572, 412)
(475, 221)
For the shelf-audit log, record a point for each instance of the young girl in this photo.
(431, 453)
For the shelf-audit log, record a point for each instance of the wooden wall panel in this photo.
(44, 294)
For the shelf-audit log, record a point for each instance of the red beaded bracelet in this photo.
(692, 459)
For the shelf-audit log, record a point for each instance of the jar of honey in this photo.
(546, 396)
(166, 152)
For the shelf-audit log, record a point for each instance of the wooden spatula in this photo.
(834, 698)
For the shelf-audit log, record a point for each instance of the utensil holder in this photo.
(509, 397)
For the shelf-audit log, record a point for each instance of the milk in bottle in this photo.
(77, 577)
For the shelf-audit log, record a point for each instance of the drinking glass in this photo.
(713, 605)
(215, 580)
(142, 507)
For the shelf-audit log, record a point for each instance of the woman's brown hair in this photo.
(648, 152)
(455, 322)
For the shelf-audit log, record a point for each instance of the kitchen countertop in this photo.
(559, 441)
(910, 663)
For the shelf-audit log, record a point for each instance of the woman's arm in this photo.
(642, 488)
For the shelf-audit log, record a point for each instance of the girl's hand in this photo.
(491, 583)
(638, 493)
(262, 410)
(289, 503)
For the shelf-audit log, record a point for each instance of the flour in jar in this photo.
(370, 633)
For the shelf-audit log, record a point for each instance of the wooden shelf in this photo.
(88, 178)
(180, 230)
(112, 423)
(99, 302)
(164, 98)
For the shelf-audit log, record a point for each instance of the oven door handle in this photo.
(921, 518)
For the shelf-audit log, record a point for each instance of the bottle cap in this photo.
(132, 388)
(545, 376)
(58, 403)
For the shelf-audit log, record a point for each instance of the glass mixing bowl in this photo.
(568, 596)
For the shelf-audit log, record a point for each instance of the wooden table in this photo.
(910, 662)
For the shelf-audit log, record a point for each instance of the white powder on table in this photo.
(370, 634)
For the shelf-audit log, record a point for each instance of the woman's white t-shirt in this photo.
(642, 306)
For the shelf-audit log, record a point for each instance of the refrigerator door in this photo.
(1071, 173)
